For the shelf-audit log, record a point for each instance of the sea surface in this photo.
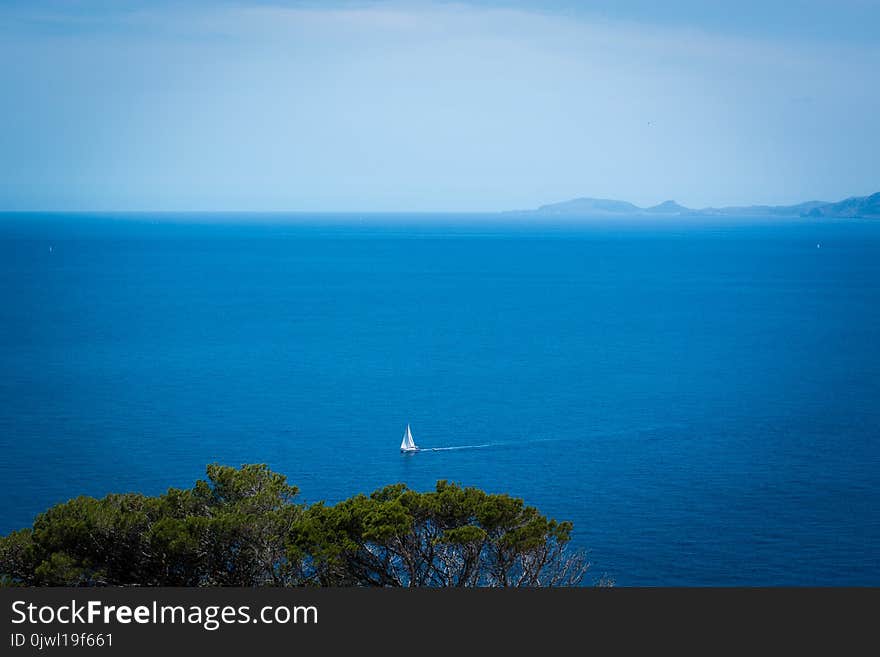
(701, 398)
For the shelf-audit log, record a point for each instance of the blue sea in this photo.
(701, 398)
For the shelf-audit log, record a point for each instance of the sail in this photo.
(408, 443)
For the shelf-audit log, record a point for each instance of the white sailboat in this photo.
(408, 444)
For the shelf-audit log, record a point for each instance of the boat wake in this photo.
(455, 447)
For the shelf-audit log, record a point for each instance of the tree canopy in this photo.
(244, 527)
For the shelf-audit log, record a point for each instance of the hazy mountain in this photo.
(765, 210)
(856, 206)
(588, 206)
(668, 207)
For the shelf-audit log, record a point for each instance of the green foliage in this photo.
(242, 527)
(17, 561)
(452, 536)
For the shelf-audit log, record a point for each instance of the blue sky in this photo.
(434, 106)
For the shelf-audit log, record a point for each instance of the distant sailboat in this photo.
(408, 444)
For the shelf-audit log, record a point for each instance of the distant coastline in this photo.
(867, 207)
(854, 207)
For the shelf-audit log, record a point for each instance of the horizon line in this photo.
(5, 211)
